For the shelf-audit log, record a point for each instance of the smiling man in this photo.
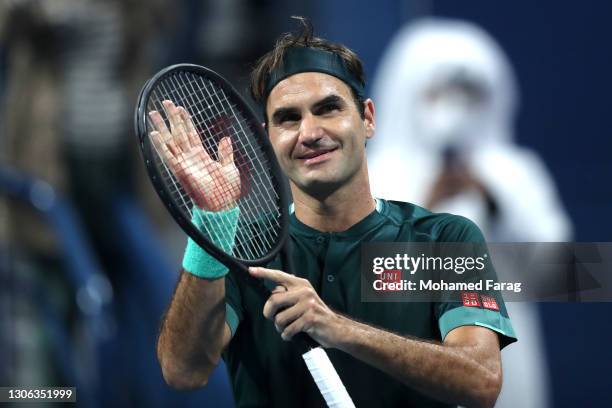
(319, 163)
(387, 354)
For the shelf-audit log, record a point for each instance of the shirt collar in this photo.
(369, 222)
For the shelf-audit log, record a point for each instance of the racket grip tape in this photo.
(327, 379)
(221, 225)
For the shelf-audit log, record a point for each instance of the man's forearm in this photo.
(451, 374)
(192, 333)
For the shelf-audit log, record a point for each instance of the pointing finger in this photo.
(281, 278)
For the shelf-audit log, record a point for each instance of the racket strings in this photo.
(222, 188)
(216, 228)
(247, 178)
(248, 240)
(255, 238)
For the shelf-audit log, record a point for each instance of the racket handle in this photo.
(327, 379)
(304, 342)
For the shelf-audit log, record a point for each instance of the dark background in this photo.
(563, 59)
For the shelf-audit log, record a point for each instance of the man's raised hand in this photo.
(213, 185)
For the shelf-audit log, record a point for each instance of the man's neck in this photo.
(336, 212)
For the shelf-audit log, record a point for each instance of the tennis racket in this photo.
(204, 147)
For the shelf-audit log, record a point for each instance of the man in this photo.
(387, 354)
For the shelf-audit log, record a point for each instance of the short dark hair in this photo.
(304, 38)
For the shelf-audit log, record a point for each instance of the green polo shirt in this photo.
(267, 372)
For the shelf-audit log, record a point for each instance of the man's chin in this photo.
(320, 187)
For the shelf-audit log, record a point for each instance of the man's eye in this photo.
(330, 107)
(291, 117)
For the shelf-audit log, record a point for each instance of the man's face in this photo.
(317, 133)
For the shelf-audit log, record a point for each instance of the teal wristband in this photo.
(221, 228)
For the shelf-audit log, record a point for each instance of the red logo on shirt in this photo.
(470, 299)
(391, 280)
(489, 302)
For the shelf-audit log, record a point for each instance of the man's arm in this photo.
(193, 332)
(465, 369)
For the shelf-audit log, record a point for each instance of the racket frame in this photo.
(148, 152)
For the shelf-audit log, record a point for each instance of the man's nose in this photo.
(310, 130)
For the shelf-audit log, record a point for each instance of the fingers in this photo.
(163, 140)
(287, 316)
(167, 152)
(282, 278)
(192, 133)
(282, 300)
(291, 312)
(298, 318)
(160, 125)
(226, 152)
(183, 135)
(183, 151)
(177, 127)
(295, 310)
(303, 324)
(279, 289)
(159, 144)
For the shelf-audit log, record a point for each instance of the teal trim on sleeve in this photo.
(231, 318)
(473, 316)
(221, 227)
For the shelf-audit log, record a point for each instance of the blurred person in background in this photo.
(73, 70)
(446, 98)
(29, 134)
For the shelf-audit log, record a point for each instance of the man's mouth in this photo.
(316, 156)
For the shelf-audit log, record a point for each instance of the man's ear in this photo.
(369, 121)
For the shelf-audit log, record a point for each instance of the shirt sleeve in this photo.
(485, 308)
(233, 302)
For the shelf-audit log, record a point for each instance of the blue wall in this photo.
(562, 55)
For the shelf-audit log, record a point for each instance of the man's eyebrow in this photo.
(330, 99)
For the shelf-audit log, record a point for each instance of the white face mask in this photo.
(451, 119)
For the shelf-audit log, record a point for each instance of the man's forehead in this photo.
(305, 86)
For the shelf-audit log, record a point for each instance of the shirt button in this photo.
(320, 239)
(330, 278)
